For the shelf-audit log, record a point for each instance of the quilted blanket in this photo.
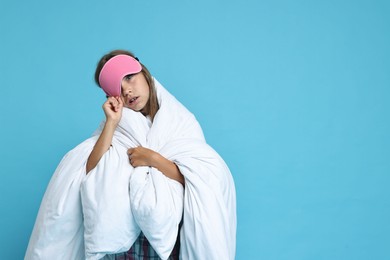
(88, 216)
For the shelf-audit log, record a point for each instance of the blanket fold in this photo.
(88, 216)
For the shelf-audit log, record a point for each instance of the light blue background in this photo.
(295, 96)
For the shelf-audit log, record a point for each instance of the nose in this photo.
(127, 92)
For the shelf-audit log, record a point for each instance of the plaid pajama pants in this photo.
(141, 249)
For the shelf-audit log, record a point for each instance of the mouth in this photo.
(132, 100)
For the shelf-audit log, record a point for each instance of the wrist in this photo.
(157, 160)
(111, 123)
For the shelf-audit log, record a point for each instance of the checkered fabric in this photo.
(141, 249)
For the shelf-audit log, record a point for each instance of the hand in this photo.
(141, 156)
(113, 109)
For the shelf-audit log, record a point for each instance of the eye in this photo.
(128, 77)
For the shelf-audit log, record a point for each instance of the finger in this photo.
(115, 104)
(132, 162)
(108, 105)
(110, 101)
(120, 102)
(112, 107)
(107, 102)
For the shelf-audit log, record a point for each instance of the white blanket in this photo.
(88, 216)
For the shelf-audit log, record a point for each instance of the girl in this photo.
(137, 93)
(145, 186)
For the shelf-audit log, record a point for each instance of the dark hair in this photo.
(151, 107)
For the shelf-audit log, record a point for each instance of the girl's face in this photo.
(135, 91)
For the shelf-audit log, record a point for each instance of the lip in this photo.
(135, 102)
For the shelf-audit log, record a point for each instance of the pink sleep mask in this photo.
(115, 70)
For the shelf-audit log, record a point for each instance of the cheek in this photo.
(146, 90)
